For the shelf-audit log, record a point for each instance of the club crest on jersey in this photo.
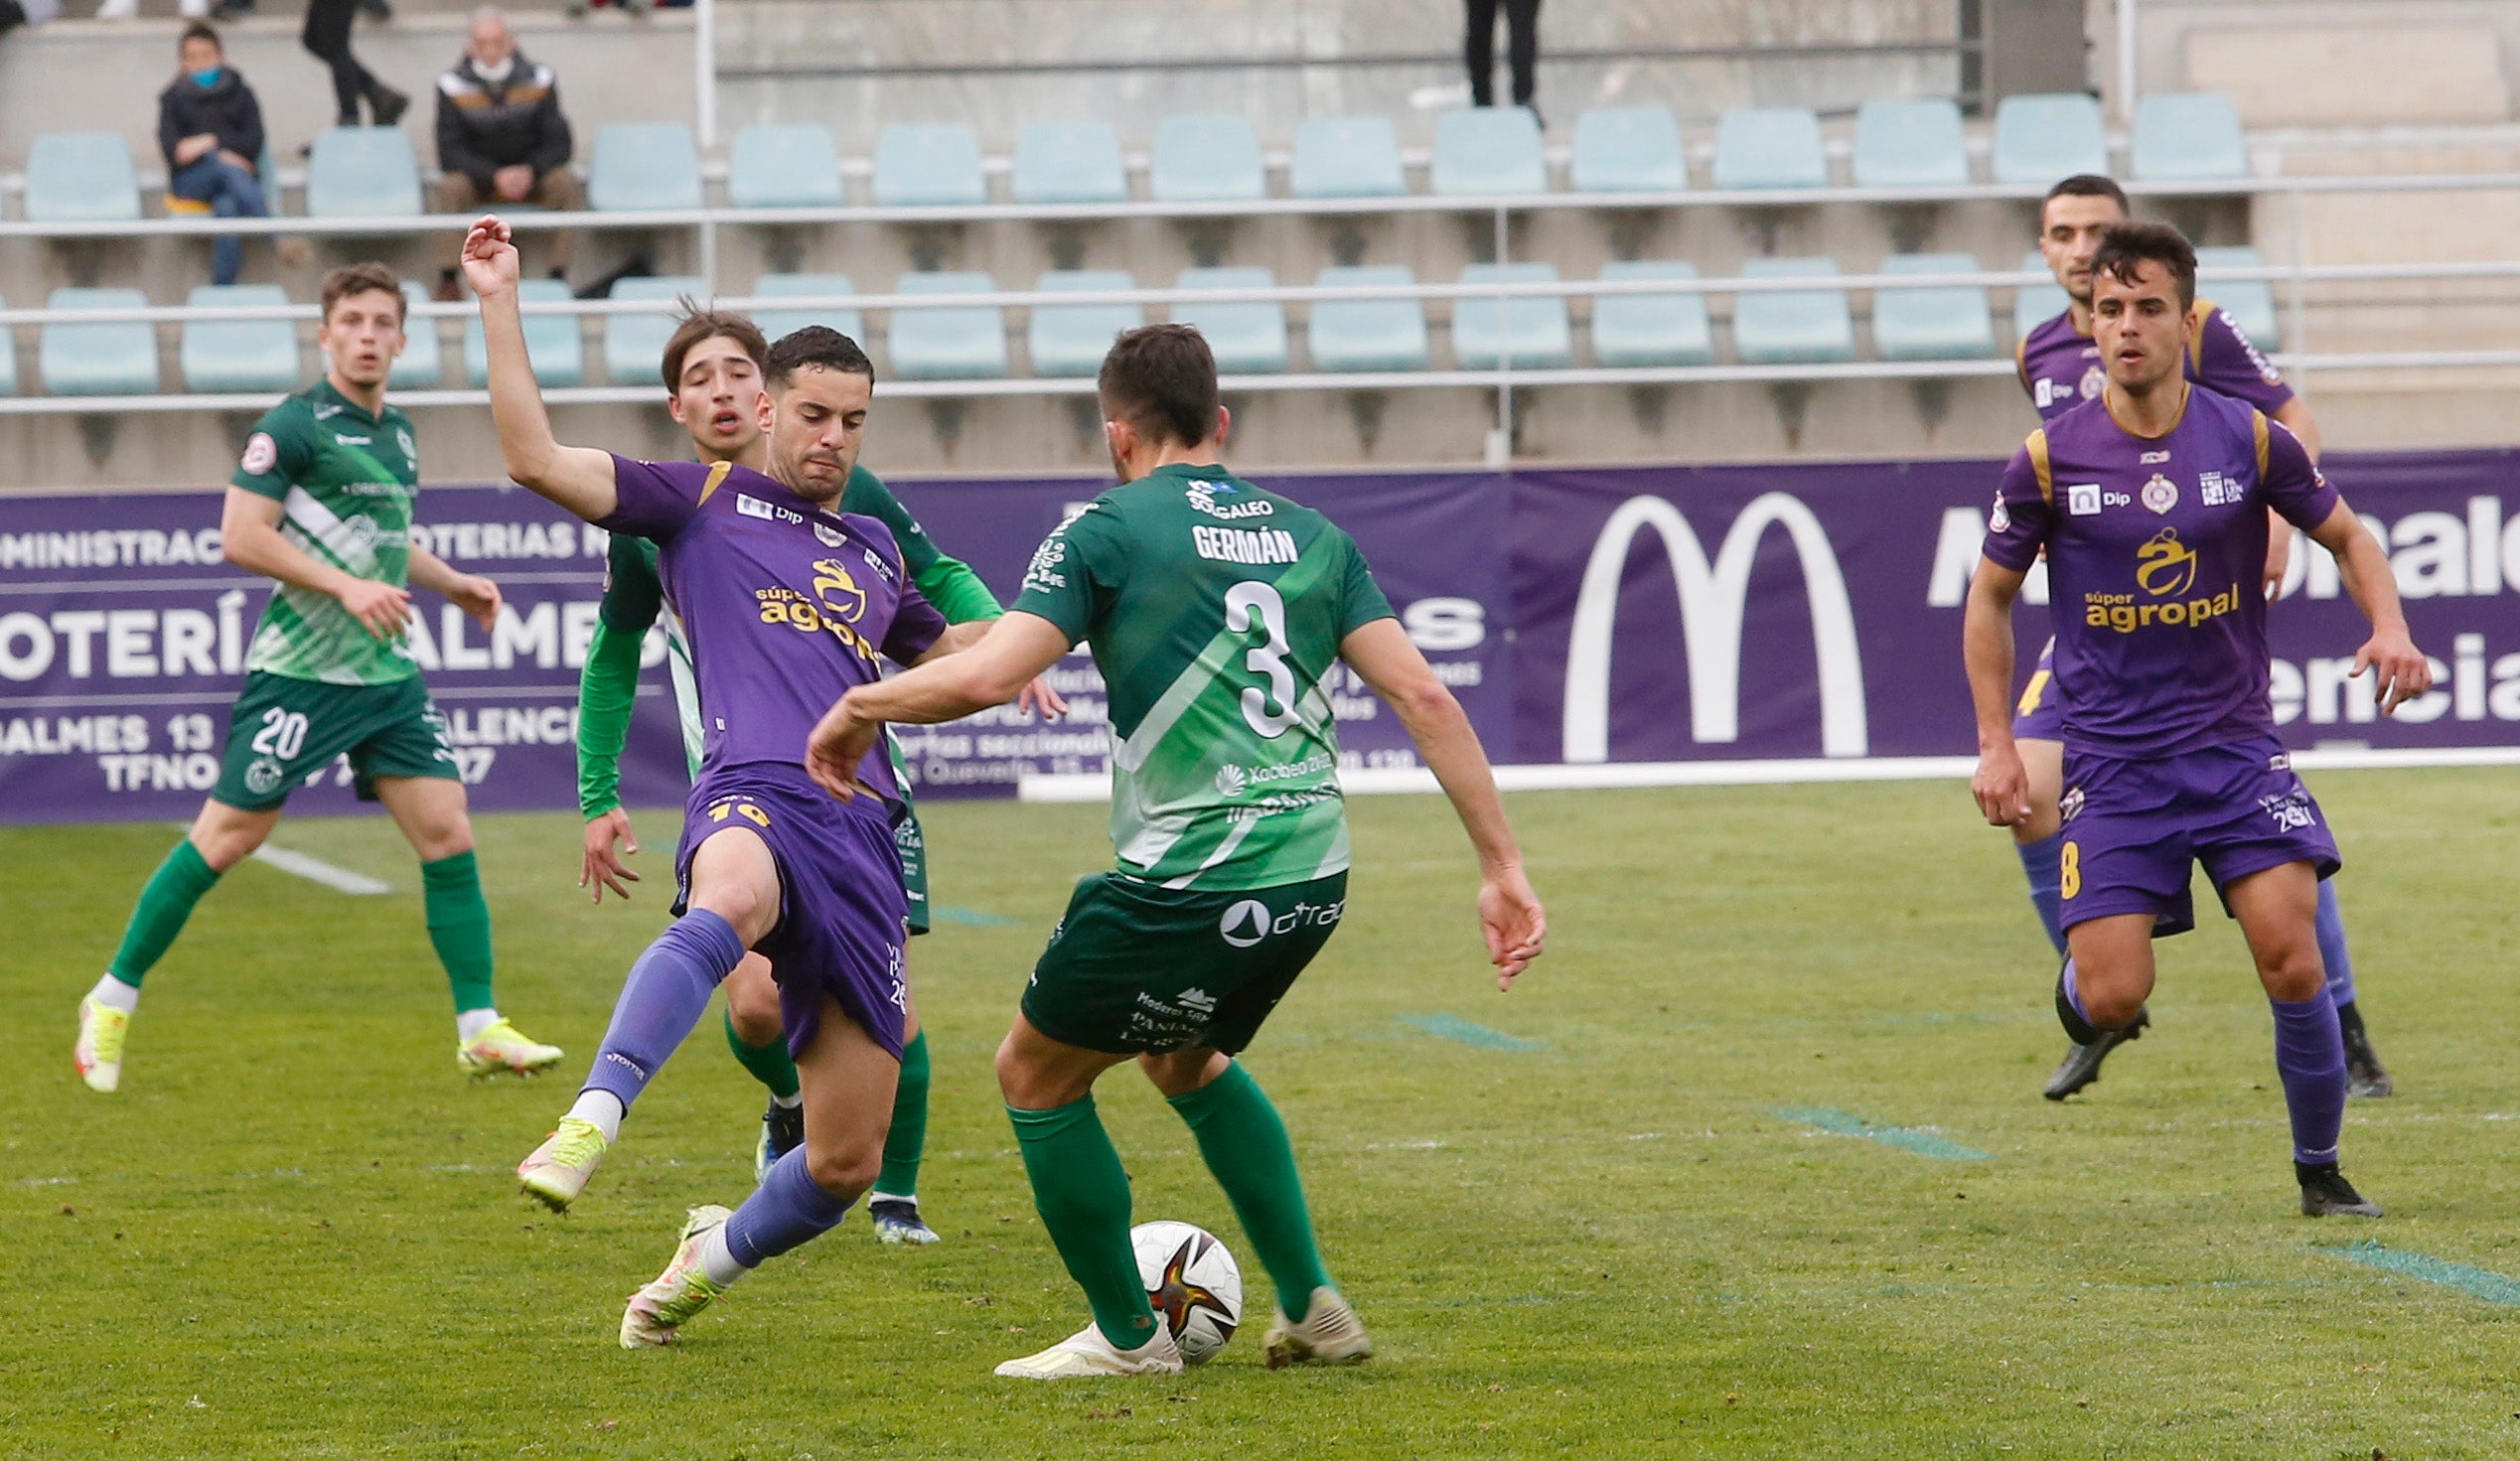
(831, 537)
(2094, 380)
(2160, 494)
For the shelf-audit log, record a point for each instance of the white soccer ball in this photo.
(1193, 1283)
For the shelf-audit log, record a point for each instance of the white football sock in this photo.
(718, 1260)
(603, 1108)
(788, 1102)
(891, 1197)
(112, 993)
(469, 1023)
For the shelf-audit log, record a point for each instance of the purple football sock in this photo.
(2310, 1055)
(2331, 945)
(2073, 993)
(663, 1000)
(788, 1210)
(2046, 878)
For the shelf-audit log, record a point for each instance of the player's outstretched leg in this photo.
(2364, 1075)
(759, 1039)
(2091, 1044)
(222, 836)
(894, 1204)
(2277, 909)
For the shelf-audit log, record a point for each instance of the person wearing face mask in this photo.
(211, 129)
(501, 138)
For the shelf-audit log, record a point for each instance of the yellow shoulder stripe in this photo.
(2197, 314)
(2036, 446)
(2258, 430)
(717, 478)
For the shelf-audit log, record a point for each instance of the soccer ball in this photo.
(1193, 1283)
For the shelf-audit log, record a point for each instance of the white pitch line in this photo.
(316, 870)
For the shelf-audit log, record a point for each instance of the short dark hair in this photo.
(1161, 380)
(351, 279)
(817, 346)
(196, 31)
(697, 325)
(2128, 246)
(2087, 185)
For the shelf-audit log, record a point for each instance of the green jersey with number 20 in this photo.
(1215, 611)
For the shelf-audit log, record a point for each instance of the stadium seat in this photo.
(554, 343)
(929, 165)
(81, 178)
(2188, 137)
(98, 358)
(1651, 329)
(1483, 151)
(422, 364)
(363, 172)
(1770, 147)
(2250, 302)
(775, 323)
(784, 166)
(2039, 139)
(219, 355)
(1531, 330)
(1806, 326)
(1248, 338)
(2034, 305)
(642, 167)
(8, 358)
(1932, 323)
(1628, 149)
(1368, 333)
(951, 342)
(1346, 157)
(1911, 143)
(634, 345)
(1071, 338)
(1069, 162)
(1208, 157)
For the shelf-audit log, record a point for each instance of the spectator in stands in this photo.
(501, 138)
(1522, 50)
(211, 129)
(326, 36)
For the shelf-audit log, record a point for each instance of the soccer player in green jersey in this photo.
(322, 503)
(1216, 611)
(713, 368)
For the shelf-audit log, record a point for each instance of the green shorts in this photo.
(1136, 966)
(911, 845)
(284, 732)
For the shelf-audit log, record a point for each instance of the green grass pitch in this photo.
(294, 1232)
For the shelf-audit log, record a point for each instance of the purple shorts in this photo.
(2132, 828)
(841, 909)
(2039, 716)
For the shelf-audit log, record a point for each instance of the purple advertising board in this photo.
(1647, 613)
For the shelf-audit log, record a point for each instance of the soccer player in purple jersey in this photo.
(2150, 502)
(2059, 363)
(787, 605)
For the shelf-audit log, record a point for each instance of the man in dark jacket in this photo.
(500, 137)
(211, 129)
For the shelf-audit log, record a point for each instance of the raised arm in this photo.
(2401, 671)
(577, 478)
(249, 537)
(1509, 914)
(2002, 783)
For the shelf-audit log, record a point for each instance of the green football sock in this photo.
(768, 1063)
(1082, 1194)
(1244, 1145)
(459, 927)
(907, 1138)
(164, 905)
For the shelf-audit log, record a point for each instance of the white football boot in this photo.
(1087, 1352)
(1329, 1335)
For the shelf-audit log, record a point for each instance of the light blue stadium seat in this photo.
(1484, 151)
(8, 358)
(220, 356)
(784, 166)
(1651, 329)
(1936, 322)
(1248, 338)
(1806, 326)
(422, 364)
(929, 165)
(776, 322)
(1628, 149)
(1368, 333)
(634, 345)
(1071, 338)
(1915, 142)
(949, 342)
(2249, 302)
(1530, 329)
(639, 167)
(552, 342)
(1208, 157)
(1770, 147)
(1346, 157)
(81, 178)
(2188, 137)
(1069, 162)
(2034, 305)
(363, 172)
(98, 358)
(2043, 138)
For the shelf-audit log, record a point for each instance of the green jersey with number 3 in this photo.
(345, 480)
(1215, 611)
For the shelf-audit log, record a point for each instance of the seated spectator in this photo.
(211, 129)
(500, 138)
